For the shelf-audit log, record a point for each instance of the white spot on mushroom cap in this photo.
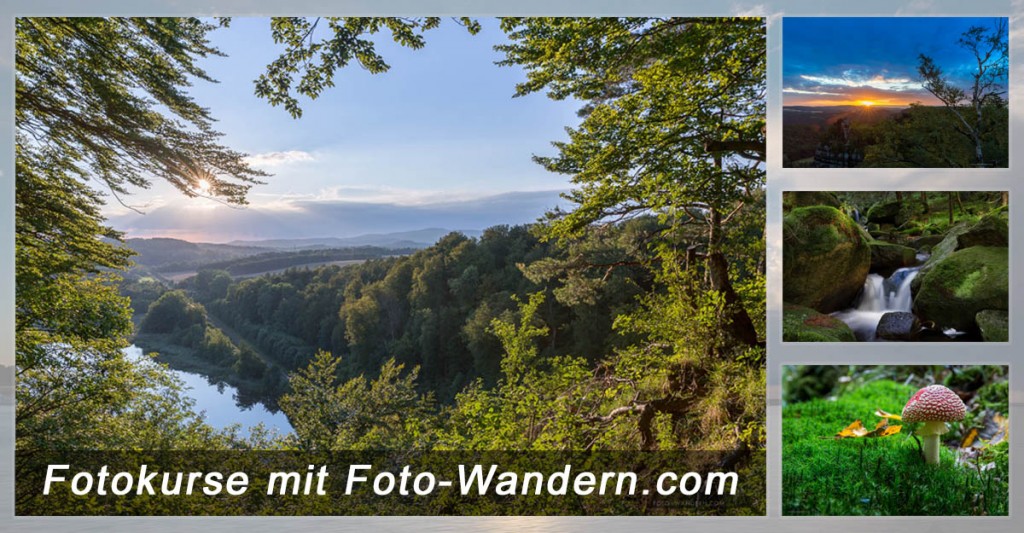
(934, 403)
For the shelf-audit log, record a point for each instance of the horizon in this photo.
(370, 155)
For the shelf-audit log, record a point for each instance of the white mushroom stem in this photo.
(930, 435)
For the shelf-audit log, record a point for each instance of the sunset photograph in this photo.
(918, 92)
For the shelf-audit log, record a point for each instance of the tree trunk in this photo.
(738, 324)
(924, 202)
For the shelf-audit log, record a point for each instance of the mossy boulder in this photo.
(963, 284)
(803, 324)
(990, 230)
(994, 325)
(826, 258)
(925, 243)
(895, 212)
(884, 212)
(886, 257)
(794, 199)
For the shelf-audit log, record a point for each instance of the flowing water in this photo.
(218, 402)
(878, 297)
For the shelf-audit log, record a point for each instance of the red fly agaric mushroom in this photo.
(934, 405)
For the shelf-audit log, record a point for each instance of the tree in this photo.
(315, 60)
(673, 124)
(381, 414)
(102, 100)
(673, 127)
(990, 49)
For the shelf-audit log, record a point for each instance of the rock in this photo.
(989, 231)
(994, 325)
(895, 212)
(884, 212)
(887, 258)
(962, 284)
(925, 243)
(897, 326)
(794, 199)
(826, 258)
(803, 324)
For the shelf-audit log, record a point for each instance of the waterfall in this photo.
(878, 297)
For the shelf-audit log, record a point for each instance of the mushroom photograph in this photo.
(892, 440)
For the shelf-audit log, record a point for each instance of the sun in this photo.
(203, 186)
(866, 103)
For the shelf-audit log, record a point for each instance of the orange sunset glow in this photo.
(860, 99)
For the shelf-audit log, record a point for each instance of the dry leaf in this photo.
(856, 430)
(969, 438)
(883, 414)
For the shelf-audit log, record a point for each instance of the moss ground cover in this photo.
(879, 476)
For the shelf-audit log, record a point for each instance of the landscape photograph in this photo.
(928, 266)
(896, 440)
(895, 92)
(410, 237)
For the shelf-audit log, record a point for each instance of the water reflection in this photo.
(220, 402)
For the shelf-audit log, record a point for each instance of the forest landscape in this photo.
(392, 284)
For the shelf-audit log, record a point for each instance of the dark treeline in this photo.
(266, 262)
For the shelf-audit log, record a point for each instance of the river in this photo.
(219, 405)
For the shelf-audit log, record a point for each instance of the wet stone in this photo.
(897, 326)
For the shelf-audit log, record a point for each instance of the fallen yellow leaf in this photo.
(883, 414)
(856, 430)
(969, 438)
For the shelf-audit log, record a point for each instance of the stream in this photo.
(878, 297)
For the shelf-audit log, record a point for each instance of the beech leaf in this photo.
(890, 416)
(856, 430)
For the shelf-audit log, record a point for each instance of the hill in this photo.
(406, 239)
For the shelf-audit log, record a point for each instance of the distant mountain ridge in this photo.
(403, 239)
(161, 252)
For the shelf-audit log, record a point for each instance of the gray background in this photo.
(779, 179)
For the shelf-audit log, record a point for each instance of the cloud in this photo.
(878, 81)
(301, 217)
(802, 91)
(756, 10)
(274, 159)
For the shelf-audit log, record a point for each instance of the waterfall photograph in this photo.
(895, 266)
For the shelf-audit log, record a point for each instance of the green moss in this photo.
(995, 396)
(823, 476)
(968, 285)
(825, 258)
(966, 282)
(802, 324)
(820, 229)
(994, 325)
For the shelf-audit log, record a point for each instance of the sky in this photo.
(436, 142)
(870, 61)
